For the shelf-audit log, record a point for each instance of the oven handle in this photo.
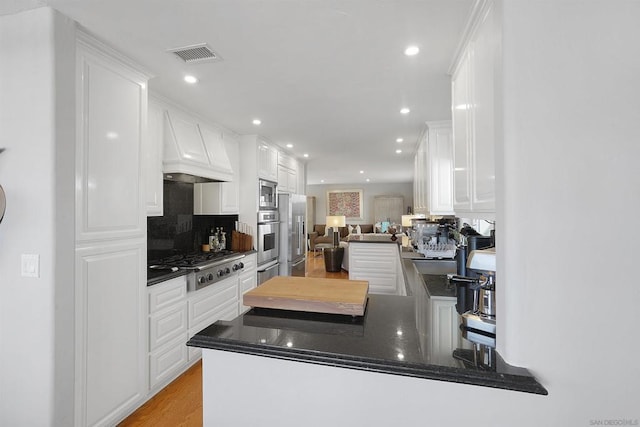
(266, 266)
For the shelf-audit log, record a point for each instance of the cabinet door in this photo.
(168, 361)
(292, 180)
(110, 330)
(461, 134)
(206, 304)
(445, 333)
(166, 325)
(283, 180)
(483, 157)
(440, 155)
(267, 162)
(112, 107)
(215, 198)
(152, 160)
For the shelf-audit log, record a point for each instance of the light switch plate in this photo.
(30, 265)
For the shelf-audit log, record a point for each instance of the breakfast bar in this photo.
(310, 357)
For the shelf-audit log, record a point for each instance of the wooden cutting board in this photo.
(318, 295)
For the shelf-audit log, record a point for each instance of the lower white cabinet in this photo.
(443, 324)
(248, 280)
(168, 327)
(174, 316)
(379, 263)
(210, 304)
(168, 362)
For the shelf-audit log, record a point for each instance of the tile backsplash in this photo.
(178, 230)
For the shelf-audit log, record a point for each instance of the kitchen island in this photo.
(298, 367)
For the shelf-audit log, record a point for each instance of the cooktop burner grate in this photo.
(193, 259)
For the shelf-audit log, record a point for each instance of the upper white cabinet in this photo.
(152, 159)
(110, 250)
(433, 170)
(474, 120)
(287, 174)
(267, 162)
(112, 112)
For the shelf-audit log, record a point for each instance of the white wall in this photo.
(36, 171)
(370, 191)
(568, 175)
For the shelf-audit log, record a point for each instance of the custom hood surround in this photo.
(193, 152)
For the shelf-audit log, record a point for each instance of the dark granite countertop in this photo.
(157, 276)
(438, 286)
(384, 340)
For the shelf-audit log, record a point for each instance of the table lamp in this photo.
(335, 221)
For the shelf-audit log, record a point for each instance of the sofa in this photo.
(319, 231)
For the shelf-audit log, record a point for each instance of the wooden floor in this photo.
(180, 403)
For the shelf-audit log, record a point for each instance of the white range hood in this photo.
(193, 152)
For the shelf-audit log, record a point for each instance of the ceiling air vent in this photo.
(195, 53)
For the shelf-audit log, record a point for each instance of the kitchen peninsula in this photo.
(290, 364)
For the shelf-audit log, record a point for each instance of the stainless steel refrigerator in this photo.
(292, 209)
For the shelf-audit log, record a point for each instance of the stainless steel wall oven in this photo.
(268, 236)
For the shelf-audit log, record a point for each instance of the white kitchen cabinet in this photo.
(112, 112)
(433, 170)
(378, 263)
(443, 324)
(168, 362)
(208, 305)
(110, 321)
(287, 180)
(168, 327)
(152, 159)
(247, 279)
(215, 198)
(287, 174)
(220, 198)
(473, 88)
(110, 331)
(267, 161)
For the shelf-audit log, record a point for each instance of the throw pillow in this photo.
(352, 229)
(328, 232)
(358, 230)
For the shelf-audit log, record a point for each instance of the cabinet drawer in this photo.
(204, 303)
(165, 326)
(165, 294)
(249, 262)
(168, 361)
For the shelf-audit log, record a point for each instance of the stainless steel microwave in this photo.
(268, 198)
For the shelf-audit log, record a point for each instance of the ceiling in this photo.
(327, 76)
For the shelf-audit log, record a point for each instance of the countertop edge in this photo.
(521, 383)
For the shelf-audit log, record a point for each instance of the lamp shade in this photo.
(406, 220)
(336, 221)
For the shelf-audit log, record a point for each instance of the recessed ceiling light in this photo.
(398, 151)
(289, 145)
(405, 110)
(368, 180)
(322, 180)
(257, 122)
(305, 155)
(361, 171)
(411, 50)
(190, 79)
(399, 140)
